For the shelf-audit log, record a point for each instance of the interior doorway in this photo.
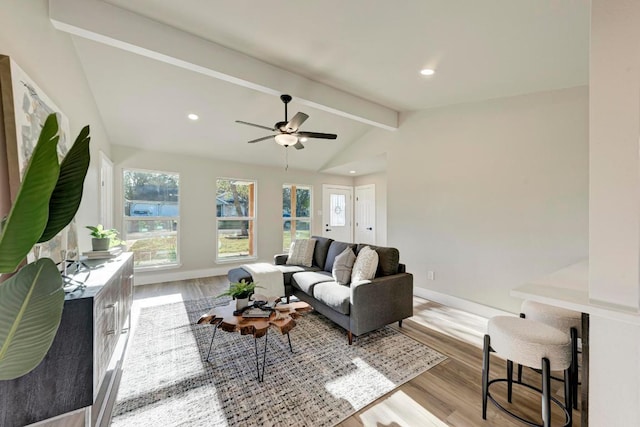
(337, 220)
(365, 214)
(106, 191)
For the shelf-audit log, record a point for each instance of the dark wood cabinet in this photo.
(77, 372)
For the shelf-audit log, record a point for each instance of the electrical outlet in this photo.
(431, 275)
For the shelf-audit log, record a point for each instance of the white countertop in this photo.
(569, 288)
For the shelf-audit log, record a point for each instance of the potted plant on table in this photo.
(241, 292)
(102, 238)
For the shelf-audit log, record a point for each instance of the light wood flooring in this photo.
(448, 394)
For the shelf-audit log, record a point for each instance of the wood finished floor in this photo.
(448, 394)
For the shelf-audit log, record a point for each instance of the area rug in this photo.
(167, 382)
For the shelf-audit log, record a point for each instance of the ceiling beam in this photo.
(105, 23)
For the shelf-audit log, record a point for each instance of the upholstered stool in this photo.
(560, 318)
(533, 344)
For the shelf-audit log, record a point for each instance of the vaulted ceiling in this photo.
(350, 65)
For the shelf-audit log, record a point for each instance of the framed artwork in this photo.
(24, 108)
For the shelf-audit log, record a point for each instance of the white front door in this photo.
(365, 214)
(336, 212)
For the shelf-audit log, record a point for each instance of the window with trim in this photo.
(151, 217)
(235, 218)
(296, 213)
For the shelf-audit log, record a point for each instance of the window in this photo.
(338, 216)
(151, 217)
(296, 213)
(235, 218)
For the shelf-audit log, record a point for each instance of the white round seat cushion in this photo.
(526, 342)
(559, 318)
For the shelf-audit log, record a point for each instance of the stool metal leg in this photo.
(568, 392)
(485, 374)
(509, 380)
(574, 367)
(519, 373)
(546, 393)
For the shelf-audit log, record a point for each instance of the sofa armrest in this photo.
(381, 301)
(280, 259)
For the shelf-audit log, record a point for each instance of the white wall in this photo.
(380, 181)
(614, 208)
(487, 195)
(49, 58)
(197, 205)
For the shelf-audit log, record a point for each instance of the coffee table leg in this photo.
(289, 338)
(215, 328)
(264, 356)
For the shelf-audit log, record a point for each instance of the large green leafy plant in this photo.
(31, 300)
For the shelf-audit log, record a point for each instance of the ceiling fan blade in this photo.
(296, 122)
(298, 145)
(254, 125)
(260, 139)
(316, 135)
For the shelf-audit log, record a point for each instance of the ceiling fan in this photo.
(288, 133)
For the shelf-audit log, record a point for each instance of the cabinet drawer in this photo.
(106, 311)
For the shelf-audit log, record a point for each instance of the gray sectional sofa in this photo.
(359, 307)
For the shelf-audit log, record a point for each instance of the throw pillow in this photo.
(365, 266)
(301, 252)
(342, 266)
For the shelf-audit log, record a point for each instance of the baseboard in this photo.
(150, 277)
(459, 303)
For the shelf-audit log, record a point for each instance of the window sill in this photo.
(235, 260)
(146, 269)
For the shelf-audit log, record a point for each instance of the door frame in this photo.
(106, 191)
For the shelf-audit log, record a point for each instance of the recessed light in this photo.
(427, 72)
(193, 116)
(352, 171)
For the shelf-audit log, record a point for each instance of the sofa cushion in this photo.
(335, 249)
(388, 259)
(305, 281)
(342, 267)
(289, 270)
(320, 254)
(366, 265)
(301, 252)
(334, 295)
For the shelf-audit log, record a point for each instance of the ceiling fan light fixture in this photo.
(286, 140)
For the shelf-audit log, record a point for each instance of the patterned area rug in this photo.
(167, 382)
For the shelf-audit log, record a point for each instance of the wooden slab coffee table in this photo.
(282, 319)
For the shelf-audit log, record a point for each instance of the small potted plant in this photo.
(103, 239)
(241, 291)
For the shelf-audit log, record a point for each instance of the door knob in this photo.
(370, 228)
(327, 229)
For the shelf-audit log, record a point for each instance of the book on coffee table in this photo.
(256, 312)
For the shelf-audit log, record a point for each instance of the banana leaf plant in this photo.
(32, 298)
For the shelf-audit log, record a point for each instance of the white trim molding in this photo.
(149, 277)
(459, 303)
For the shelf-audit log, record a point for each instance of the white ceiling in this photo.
(372, 49)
